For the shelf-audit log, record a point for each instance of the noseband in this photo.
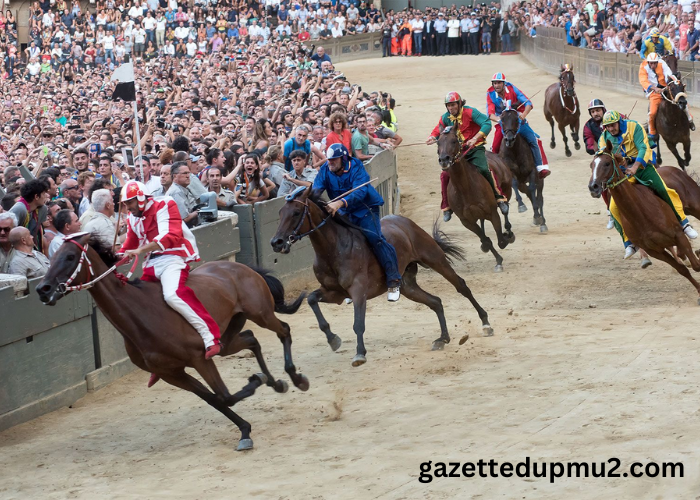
(672, 99)
(611, 183)
(295, 236)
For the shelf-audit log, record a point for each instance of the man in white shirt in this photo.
(139, 41)
(417, 25)
(182, 31)
(108, 45)
(336, 30)
(191, 48)
(102, 225)
(34, 67)
(66, 223)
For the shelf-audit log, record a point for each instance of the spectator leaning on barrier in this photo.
(8, 221)
(185, 200)
(301, 174)
(66, 223)
(102, 225)
(25, 260)
(225, 199)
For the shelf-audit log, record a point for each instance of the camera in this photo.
(160, 123)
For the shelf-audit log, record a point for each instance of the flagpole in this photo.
(138, 137)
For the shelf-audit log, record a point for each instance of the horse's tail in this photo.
(452, 250)
(694, 176)
(277, 290)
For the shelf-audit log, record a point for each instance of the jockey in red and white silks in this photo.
(156, 227)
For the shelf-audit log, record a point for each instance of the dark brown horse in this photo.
(516, 153)
(672, 62)
(648, 221)
(160, 341)
(672, 123)
(346, 267)
(561, 104)
(470, 196)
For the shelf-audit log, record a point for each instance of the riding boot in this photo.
(212, 350)
(447, 214)
(690, 119)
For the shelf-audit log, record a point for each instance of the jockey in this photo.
(154, 227)
(591, 135)
(472, 129)
(340, 174)
(629, 139)
(656, 43)
(654, 75)
(503, 95)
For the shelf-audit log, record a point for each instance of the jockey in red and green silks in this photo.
(472, 127)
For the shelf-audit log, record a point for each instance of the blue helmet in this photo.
(337, 151)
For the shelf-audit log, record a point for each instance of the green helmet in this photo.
(611, 117)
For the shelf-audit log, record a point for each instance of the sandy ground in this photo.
(593, 358)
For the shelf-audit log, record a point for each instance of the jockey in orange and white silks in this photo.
(654, 75)
(156, 228)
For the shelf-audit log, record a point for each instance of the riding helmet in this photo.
(654, 33)
(611, 117)
(596, 103)
(135, 189)
(336, 151)
(653, 57)
(498, 77)
(452, 97)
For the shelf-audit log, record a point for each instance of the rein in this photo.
(610, 184)
(295, 236)
(63, 288)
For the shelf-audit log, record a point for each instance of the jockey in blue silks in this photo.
(340, 174)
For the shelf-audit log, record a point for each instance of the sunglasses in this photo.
(5, 229)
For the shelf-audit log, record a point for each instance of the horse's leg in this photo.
(486, 243)
(682, 270)
(532, 194)
(412, 291)
(324, 295)
(562, 129)
(509, 234)
(521, 206)
(686, 151)
(674, 150)
(188, 383)
(495, 219)
(437, 261)
(268, 320)
(549, 118)
(540, 204)
(574, 134)
(358, 294)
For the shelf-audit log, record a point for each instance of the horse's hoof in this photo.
(511, 238)
(358, 360)
(245, 444)
(544, 229)
(484, 248)
(335, 343)
(438, 345)
(303, 385)
(577, 146)
(522, 208)
(645, 263)
(261, 377)
(567, 153)
(487, 330)
(552, 145)
(502, 244)
(281, 386)
(498, 268)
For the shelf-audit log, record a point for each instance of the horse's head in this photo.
(510, 126)
(67, 268)
(295, 220)
(449, 147)
(675, 91)
(603, 167)
(567, 80)
(672, 63)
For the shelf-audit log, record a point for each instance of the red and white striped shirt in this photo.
(161, 223)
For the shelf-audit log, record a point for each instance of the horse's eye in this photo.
(296, 213)
(70, 257)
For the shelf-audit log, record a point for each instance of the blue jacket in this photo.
(495, 104)
(356, 203)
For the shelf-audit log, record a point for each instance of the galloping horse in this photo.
(470, 196)
(160, 341)
(648, 221)
(517, 155)
(672, 122)
(561, 103)
(346, 267)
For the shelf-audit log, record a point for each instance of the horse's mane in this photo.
(105, 253)
(315, 197)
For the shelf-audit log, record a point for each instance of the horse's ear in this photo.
(608, 146)
(442, 127)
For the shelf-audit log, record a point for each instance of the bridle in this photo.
(561, 94)
(66, 287)
(611, 183)
(673, 99)
(295, 236)
(517, 130)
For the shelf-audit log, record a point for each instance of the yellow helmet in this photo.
(654, 32)
(653, 57)
(611, 117)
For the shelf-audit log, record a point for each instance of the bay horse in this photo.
(160, 341)
(516, 153)
(470, 196)
(672, 123)
(561, 104)
(648, 221)
(346, 267)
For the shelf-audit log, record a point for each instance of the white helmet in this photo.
(135, 189)
(653, 57)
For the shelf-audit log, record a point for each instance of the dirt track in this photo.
(592, 358)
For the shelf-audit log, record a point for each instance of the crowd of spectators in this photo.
(617, 26)
(247, 116)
